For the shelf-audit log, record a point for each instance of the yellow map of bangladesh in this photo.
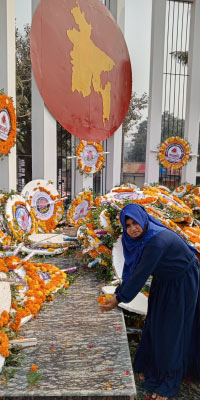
(88, 62)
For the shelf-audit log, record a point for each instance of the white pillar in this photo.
(113, 171)
(192, 116)
(44, 135)
(120, 17)
(8, 83)
(79, 182)
(73, 170)
(155, 89)
(84, 182)
(114, 144)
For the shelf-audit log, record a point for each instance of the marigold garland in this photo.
(176, 140)
(6, 240)
(4, 318)
(4, 344)
(193, 233)
(3, 266)
(80, 220)
(98, 201)
(17, 232)
(38, 291)
(155, 213)
(167, 207)
(163, 188)
(7, 104)
(147, 200)
(180, 191)
(195, 190)
(51, 223)
(32, 298)
(192, 201)
(176, 209)
(82, 163)
(122, 189)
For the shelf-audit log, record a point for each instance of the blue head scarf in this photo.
(133, 248)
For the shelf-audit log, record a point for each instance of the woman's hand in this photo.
(109, 304)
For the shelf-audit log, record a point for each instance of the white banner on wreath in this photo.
(5, 124)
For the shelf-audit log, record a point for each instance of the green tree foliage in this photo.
(23, 99)
(138, 153)
(171, 126)
(23, 90)
(23, 108)
(181, 56)
(134, 114)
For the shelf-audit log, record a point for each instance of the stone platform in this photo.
(81, 352)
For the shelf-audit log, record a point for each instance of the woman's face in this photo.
(133, 229)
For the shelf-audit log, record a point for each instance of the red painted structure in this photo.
(51, 56)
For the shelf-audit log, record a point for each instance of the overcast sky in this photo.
(23, 13)
(137, 35)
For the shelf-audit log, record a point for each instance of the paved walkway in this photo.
(81, 352)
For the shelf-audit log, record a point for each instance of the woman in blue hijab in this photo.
(170, 345)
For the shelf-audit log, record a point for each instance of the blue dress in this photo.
(170, 344)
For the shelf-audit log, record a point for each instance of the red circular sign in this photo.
(82, 66)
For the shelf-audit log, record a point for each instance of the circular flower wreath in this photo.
(80, 210)
(7, 117)
(90, 157)
(21, 218)
(47, 221)
(174, 152)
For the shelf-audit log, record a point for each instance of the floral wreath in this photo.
(93, 246)
(6, 240)
(47, 225)
(177, 209)
(80, 210)
(42, 281)
(180, 191)
(123, 189)
(177, 214)
(174, 152)
(134, 196)
(13, 215)
(195, 190)
(171, 205)
(7, 138)
(90, 157)
(192, 201)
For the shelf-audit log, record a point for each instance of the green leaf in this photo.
(33, 377)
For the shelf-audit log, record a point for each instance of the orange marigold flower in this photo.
(4, 344)
(34, 368)
(102, 299)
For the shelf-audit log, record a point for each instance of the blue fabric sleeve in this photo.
(149, 261)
